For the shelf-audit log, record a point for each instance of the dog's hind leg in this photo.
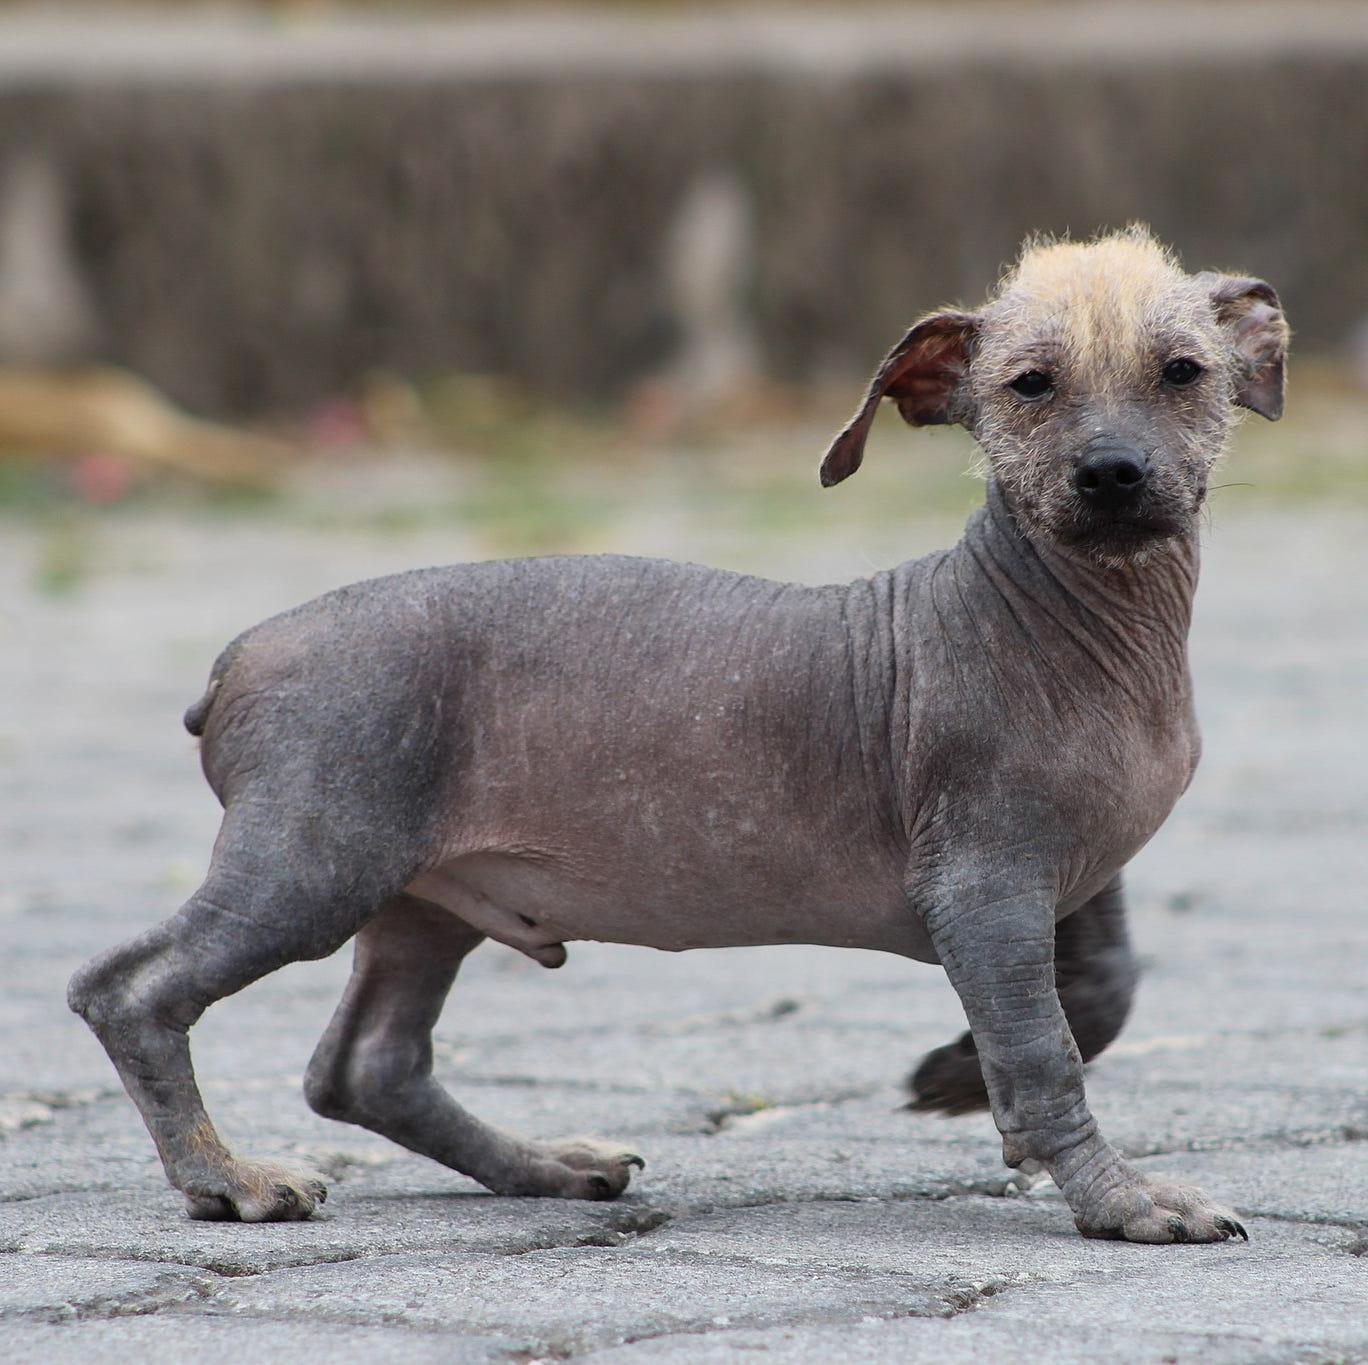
(373, 1066)
(280, 888)
(1095, 975)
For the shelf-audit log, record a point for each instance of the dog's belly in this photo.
(532, 903)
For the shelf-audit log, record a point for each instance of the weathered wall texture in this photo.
(253, 237)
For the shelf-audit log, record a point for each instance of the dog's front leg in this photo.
(994, 932)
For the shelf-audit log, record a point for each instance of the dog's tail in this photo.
(197, 715)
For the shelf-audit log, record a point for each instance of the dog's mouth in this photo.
(1146, 525)
(1123, 535)
(1114, 535)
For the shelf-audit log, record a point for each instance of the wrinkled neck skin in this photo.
(1139, 614)
(1041, 699)
(1063, 618)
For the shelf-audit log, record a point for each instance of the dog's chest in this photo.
(1125, 784)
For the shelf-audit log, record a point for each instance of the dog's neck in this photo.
(1137, 613)
(1168, 574)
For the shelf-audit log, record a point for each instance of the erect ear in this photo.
(921, 374)
(1252, 317)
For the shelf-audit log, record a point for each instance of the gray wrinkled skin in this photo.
(943, 761)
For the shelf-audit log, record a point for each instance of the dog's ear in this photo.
(922, 374)
(1252, 318)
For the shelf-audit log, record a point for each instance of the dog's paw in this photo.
(949, 1080)
(1151, 1209)
(257, 1192)
(585, 1168)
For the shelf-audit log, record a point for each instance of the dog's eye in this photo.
(1181, 372)
(1032, 384)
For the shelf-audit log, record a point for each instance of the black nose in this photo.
(1111, 477)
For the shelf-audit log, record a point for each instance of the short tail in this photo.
(197, 715)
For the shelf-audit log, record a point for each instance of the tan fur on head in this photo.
(1101, 302)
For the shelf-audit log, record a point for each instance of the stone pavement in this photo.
(788, 1210)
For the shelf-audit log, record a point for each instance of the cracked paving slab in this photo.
(788, 1207)
(1017, 1261)
(131, 1227)
(970, 1339)
(992, 1243)
(64, 1288)
(567, 1301)
(233, 1340)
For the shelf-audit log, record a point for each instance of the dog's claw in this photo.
(1232, 1228)
(1178, 1228)
(632, 1159)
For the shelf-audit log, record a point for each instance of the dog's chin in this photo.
(1120, 542)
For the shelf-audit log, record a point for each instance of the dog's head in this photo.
(1100, 381)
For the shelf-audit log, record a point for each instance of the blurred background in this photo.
(527, 271)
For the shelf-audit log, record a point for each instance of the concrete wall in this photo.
(254, 216)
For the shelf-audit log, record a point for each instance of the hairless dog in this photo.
(952, 760)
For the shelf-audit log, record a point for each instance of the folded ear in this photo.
(1252, 317)
(922, 374)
